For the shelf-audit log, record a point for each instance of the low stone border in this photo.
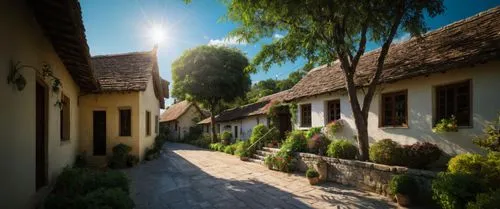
(365, 175)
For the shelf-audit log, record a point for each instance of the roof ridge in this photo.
(121, 54)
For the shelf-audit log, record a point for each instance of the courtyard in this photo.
(189, 177)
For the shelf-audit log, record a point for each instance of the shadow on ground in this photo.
(172, 181)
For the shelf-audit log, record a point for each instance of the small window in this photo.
(125, 122)
(258, 120)
(235, 132)
(64, 122)
(305, 115)
(148, 123)
(395, 109)
(333, 110)
(454, 100)
(157, 123)
(175, 125)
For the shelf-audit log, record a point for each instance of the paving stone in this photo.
(189, 177)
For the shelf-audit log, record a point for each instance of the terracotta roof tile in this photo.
(175, 111)
(471, 41)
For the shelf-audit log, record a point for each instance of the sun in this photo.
(157, 34)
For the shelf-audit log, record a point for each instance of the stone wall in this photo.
(365, 175)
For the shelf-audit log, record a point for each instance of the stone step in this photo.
(263, 153)
(260, 157)
(253, 160)
(269, 149)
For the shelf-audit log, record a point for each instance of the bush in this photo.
(490, 200)
(312, 131)
(230, 149)
(419, 155)
(455, 190)
(113, 198)
(490, 140)
(158, 143)
(311, 173)
(132, 160)
(486, 168)
(318, 144)
(203, 142)
(269, 161)
(342, 149)
(258, 132)
(386, 152)
(242, 149)
(446, 125)
(81, 160)
(195, 132)
(119, 158)
(217, 147)
(295, 142)
(226, 137)
(403, 184)
(151, 154)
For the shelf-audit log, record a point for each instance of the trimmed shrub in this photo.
(132, 160)
(151, 154)
(295, 142)
(203, 142)
(258, 132)
(455, 190)
(311, 173)
(419, 155)
(312, 131)
(486, 168)
(217, 147)
(386, 152)
(490, 200)
(230, 149)
(119, 158)
(108, 198)
(318, 144)
(242, 149)
(226, 137)
(342, 149)
(403, 184)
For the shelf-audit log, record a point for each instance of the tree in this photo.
(210, 76)
(326, 30)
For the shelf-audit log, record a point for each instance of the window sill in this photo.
(304, 127)
(394, 127)
(65, 142)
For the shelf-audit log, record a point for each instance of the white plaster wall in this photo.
(147, 102)
(21, 39)
(245, 126)
(186, 120)
(485, 106)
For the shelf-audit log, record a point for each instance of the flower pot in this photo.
(403, 200)
(313, 181)
(242, 158)
(270, 145)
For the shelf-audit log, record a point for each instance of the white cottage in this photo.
(454, 70)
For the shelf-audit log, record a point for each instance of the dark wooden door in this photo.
(99, 132)
(41, 144)
(285, 124)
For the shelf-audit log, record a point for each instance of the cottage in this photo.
(241, 120)
(450, 71)
(179, 117)
(45, 67)
(126, 108)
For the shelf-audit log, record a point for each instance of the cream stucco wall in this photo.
(148, 102)
(111, 103)
(184, 122)
(22, 40)
(485, 106)
(245, 126)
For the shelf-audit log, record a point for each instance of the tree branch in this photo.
(362, 45)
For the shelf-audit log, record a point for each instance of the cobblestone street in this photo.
(189, 177)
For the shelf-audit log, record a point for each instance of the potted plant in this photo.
(313, 176)
(446, 125)
(244, 155)
(403, 187)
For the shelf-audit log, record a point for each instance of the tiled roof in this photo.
(279, 96)
(471, 41)
(258, 108)
(177, 110)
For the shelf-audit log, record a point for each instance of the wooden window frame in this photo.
(120, 132)
(148, 123)
(328, 110)
(453, 85)
(157, 124)
(65, 118)
(304, 123)
(382, 109)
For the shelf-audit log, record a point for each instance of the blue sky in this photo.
(119, 26)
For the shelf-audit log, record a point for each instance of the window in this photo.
(235, 132)
(148, 123)
(175, 125)
(64, 121)
(258, 120)
(218, 128)
(305, 115)
(157, 123)
(125, 122)
(454, 99)
(333, 110)
(395, 109)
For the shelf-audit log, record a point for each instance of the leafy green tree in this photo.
(326, 30)
(210, 76)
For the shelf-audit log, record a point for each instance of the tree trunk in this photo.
(363, 140)
(212, 122)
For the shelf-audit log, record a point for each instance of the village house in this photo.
(240, 121)
(45, 58)
(179, 117)
(126, 108)
(453, 70)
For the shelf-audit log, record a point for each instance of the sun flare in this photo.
(157, 34)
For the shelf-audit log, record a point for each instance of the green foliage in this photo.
(81, 160)
(491, 138)
(107, 198)
(333, 127)
(132, 160)
(342, 149)
(272, 86)
(295, 142)
(120, 155)
(455, 190)
(269, 161)
(446, 125)
(312, 173)
(195, 132)
(258, 132)
(313, 131)
(485, 168)
(217, 147)
(151, 154)
(489, 200)
(419, 155)
(293, 108)
(403, 184)
(230, 149)
(242, 149)
(203, 141)
(226, 137)
(318, 144)
(386, 152)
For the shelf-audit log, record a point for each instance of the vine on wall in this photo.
(19, 81)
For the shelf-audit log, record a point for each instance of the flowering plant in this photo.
(446, 125)
(334, 126)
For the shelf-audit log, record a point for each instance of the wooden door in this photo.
(99, 130)
(41, 142)
(285, 125)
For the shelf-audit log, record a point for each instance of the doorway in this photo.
(41, 136)
(99, 132)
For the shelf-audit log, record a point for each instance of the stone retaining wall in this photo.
(365, 175)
